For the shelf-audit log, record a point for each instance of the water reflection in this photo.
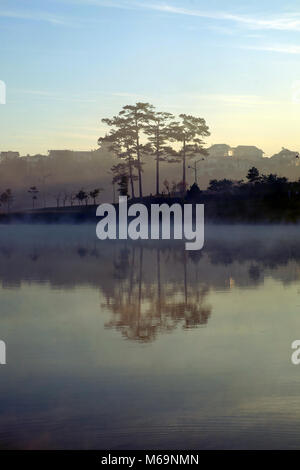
(149, 287)
(143, 307)
(222, 379)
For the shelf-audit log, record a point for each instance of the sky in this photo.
(67, 64)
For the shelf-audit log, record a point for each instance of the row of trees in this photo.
(6, 199)
(139, 131)
(83, 197)
(253, 178)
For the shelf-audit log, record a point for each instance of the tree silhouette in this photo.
(137, 116)
(71, 198)
(158, 129)
(94, 194)
(65, 197)
(126, 133)
(33, 191)
(166, 185)
(81, 196)
(121, 141)
(253, 175)
(123, 185)
(194, 192)
(189, 132)
(57, 199)
(273, 179)
(6, 199)
(220, 185)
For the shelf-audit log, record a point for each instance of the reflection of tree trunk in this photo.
(140, 286)
(142, 308)
(131, 279)
(185, 277)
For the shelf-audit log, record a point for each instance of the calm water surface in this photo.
(128, 345)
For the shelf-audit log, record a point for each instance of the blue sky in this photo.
(68, 63)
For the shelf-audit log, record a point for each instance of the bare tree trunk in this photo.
(157, 175)
(131, 179)
(139, 159)
(157, 164)
(183, 168)
(140, 174)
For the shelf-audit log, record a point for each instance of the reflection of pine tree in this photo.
(141, 310)
(123, 185)
(121, 265)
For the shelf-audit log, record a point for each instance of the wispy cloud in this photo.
(283, 22)
(90, 97)
(243, 100)
(34, 16)
(54, 96)
(284, 48)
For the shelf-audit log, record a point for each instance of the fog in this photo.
(61, 174)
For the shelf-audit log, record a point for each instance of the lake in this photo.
(144, 345)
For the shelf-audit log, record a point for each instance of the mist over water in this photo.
(131, 344)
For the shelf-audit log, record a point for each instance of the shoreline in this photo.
(215, 212)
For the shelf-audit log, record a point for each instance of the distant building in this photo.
(10, 155)
(284, 155)
(35, 159)
(75, 155)
(247, 152)
(219, 150)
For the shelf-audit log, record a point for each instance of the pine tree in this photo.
(189, 131)
(158, 129)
